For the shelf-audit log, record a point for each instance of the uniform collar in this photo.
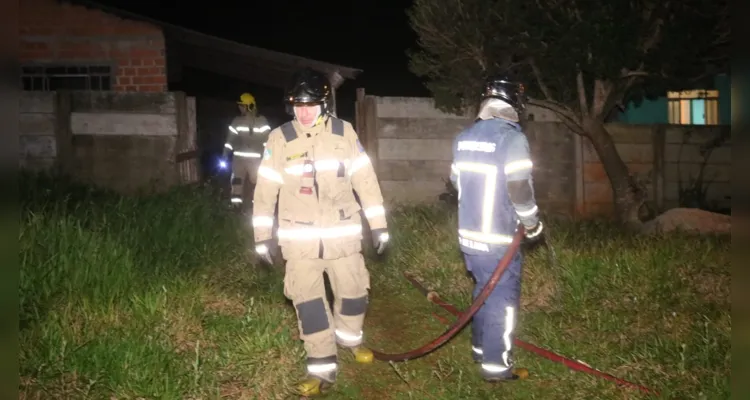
(320, 127)
(501, 120)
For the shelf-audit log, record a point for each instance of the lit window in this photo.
(694, 107)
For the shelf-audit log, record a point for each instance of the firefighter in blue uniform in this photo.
(491, 171)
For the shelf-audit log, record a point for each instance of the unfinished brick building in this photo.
(68, 46)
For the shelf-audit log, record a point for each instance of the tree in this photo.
(580, 59)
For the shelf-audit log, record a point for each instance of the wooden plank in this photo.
(123, 124)
(63, 134)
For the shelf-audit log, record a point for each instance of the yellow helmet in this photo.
(247, 99)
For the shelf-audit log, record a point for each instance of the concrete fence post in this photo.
(659, 138)
(63, 132)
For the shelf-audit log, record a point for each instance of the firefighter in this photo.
(314, 163)
(491, 171)
(247, 136)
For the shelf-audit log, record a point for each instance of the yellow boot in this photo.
(362, 354)
(313, 386)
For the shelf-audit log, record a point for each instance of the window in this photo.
(66, 77)
(694, 107)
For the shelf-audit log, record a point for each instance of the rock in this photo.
(690, 220)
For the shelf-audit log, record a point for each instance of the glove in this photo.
(266, 250)
(534, 233)
(380, 239)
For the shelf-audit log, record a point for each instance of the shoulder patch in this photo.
(288, 130)
(360, 147)
(267, 154)
(337, 126)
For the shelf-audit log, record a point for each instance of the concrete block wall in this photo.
(413, 150)
(123, 141)
(55, 32)
(36, 123)
(665, 158)
(410, 143)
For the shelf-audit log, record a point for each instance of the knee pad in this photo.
(312, 316)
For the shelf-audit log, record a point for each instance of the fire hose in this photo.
(464, 317)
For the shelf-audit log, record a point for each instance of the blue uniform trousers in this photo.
(493, 325)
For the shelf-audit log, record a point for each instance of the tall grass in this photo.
(157, 297)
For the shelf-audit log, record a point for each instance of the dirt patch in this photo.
(539, 290)
(66, 386)
(713, 288)
(184, 331)
(223, 304)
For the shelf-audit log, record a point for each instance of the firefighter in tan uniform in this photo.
(247, 137)
(312, 163)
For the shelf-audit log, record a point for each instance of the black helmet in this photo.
(505, 89)
(310, 87)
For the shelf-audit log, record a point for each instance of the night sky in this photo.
(354, 33)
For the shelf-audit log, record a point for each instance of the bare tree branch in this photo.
(538, 75)
(583, 103)
(603, 91)
(566, 115)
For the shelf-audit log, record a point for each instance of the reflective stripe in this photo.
(474, 245)
(527, 213)
(262, 221)
(518, 165)
(348, 338)
(320, 368)
(236, 200)
(231, 128)
(270, 174)
(374, 211)
(313, 233)
(262, 129)
(473, 145)
(247, 154)
(477, 350)
(486, 237)
(358, 163)
(494, 368)
(490, 181)
(261, 249)
(298, 169)
(327, 165)
(510, 318)
(242, 128)
(228, 146)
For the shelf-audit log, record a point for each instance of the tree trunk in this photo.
(628, 195)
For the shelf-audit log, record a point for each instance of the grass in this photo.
(157, 298)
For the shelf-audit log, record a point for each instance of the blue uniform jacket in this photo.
(491, 171)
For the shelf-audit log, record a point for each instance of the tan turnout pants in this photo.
(244, 174)
(319, 328)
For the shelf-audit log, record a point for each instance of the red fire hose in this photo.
(464, 317)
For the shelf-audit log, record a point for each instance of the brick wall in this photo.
(54, 32)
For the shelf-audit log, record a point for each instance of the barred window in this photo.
(66, 77)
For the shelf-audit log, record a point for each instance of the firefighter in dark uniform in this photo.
(491, 171)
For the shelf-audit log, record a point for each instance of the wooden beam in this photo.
(236, 68)
(197, 40)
